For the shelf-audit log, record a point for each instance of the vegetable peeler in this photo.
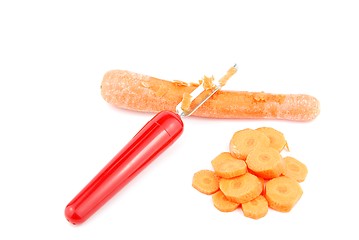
(155, 137)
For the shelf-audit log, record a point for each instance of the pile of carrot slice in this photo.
(253, 176)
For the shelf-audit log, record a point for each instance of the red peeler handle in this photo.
(156, 136)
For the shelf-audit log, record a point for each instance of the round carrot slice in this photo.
(205, 181)
(256, 208)
(282, 193)
(277, 139)
(222, 203)
(241, 189)
(244, 141)
(227, 166)
(265, 162)
(295, 169)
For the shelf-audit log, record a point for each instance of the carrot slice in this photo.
(263, 182)
(282, 193)
(244, 141)
(277, 139)
(265, 162)
(227, 166)
(241, 189)
(256, 208)
(205, 181)
(295, 169)
(253, 175)
(222, 203)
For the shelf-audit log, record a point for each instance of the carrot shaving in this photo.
(228, 75)
(186, 102)
(208, 83)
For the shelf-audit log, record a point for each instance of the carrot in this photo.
(295, 169)
(222, 203)
(205, 181)
(265, 162)
(244, 141)
(228, 75)
(133, 91)
(186, 101)
(225, 165)
(282, 193)
(241, 189)
(261, 181)
(277, 139)
(208, 82)
(256, 208)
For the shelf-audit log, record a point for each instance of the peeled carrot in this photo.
(129, 90)
(205, 181)
(241, 189)
(295, 169)
(244, 141)
(277, 139)
(282, 193)
(225, 165)
(222, 203)
(265, 162)
(256, 208)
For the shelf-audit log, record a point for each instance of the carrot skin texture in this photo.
(134, 91)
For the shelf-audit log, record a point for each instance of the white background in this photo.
(56, 131)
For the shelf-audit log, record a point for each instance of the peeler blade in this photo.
(192, 101)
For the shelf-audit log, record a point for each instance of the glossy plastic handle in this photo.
(156, 136)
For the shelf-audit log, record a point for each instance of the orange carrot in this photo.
(208, 82)
(241, 189)
(277, 139)
(244, 141)
(265, 162)
(205, 181)
(129, 90)
(295, 169)
(256, 208)
(225, 165)
(222, 203)
(228, 75)
(186, 101)
(262, 180)
(282, 193)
